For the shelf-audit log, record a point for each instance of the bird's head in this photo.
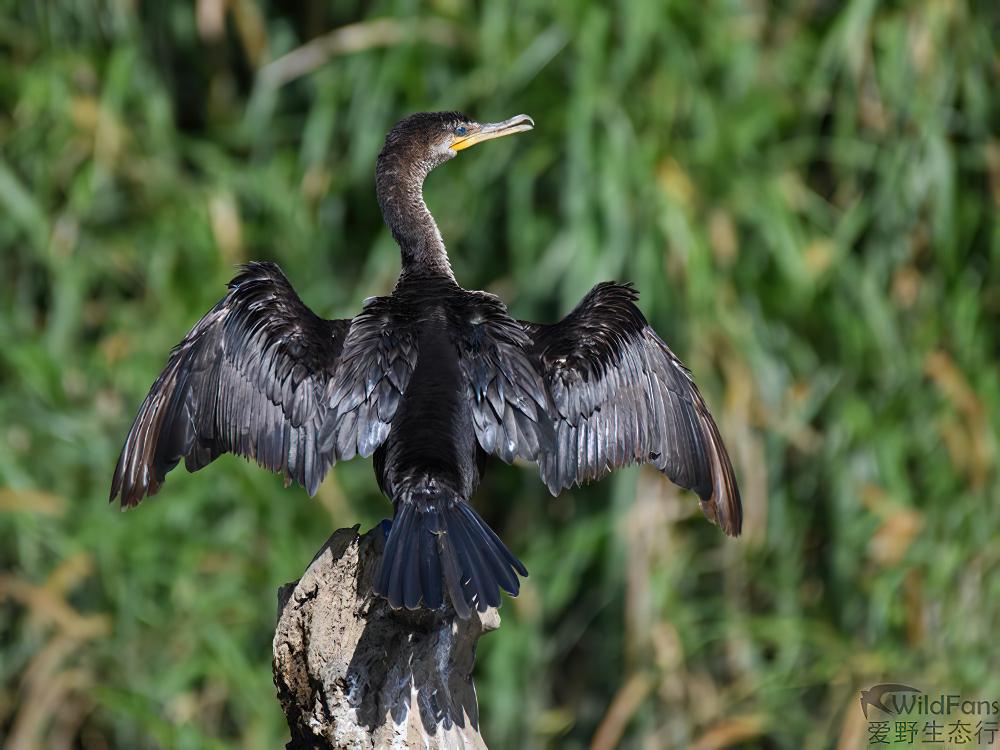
(428, 139)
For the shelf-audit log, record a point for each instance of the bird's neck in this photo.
(399, 186)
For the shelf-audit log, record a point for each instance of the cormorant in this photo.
(431, 381)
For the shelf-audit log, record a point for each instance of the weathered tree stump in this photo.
(351, 672)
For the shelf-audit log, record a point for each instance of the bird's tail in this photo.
(439, 543)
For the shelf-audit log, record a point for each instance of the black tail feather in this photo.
(439, 543)
(478, 576)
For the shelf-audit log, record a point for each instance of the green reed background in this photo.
(805, 193)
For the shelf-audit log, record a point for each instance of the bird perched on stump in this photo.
(432, 381)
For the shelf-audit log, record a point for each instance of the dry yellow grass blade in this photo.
(32, 501)
(624, 706)
(971, 445)
(732, 731)
(356, 37)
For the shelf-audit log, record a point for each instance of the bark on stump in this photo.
(353, 673)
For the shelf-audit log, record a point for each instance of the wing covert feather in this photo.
(377, 360)
(509, 403)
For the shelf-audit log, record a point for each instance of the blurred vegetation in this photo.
(806, 194)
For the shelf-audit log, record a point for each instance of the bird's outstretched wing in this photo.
(256, 377)
(620, 396)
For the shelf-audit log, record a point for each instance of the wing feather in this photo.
(248, 379)
(508, 397)
(377, 360)
(620, 396)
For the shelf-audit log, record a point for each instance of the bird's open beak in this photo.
(491, 130)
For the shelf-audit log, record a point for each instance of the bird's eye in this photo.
(461, 130)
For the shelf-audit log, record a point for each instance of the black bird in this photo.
(431, 380)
